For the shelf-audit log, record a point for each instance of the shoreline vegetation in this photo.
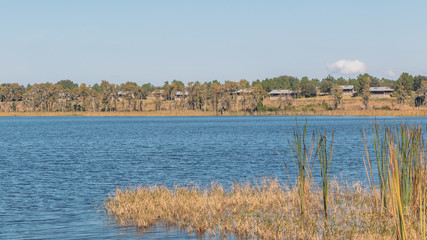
(284, 95)
(183, 113)
(390, 206)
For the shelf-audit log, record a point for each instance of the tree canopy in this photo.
(66, 95)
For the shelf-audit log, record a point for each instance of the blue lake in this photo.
(56, 172)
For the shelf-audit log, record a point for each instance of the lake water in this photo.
(56, 172)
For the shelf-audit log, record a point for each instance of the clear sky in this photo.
(160, 40)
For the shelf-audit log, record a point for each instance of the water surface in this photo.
(56, 171)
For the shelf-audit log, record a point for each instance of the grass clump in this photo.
(267, 210)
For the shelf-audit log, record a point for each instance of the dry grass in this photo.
(396, 113)
(266, 211)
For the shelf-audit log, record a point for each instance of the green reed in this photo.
(400, 157)
(304, 162)
(368, 168)
(325, 160)
(380, 146)
(325, 164)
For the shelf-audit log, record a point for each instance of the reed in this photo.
(397, 203)
(325, 164)
(304, 162)
(422, 212)
(381, 155)
(368, 168)
(400, 154)
(380, 146)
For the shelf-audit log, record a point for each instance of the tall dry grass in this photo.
(266, 211)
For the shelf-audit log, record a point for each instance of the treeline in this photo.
(66, 95)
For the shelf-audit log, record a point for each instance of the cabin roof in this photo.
(180, 93)
(380, 89)
(347, 87)
(278, 91)
(244, 91)
(157, 91)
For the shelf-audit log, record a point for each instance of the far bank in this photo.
(171, 113)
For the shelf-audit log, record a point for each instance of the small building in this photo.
(158, 93)
(179, 95)
(381, 92)
(348, 90)
(242, 92)
(122, 94)
(279, 94)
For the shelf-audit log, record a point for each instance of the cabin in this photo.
(348, 90)
(122, 94)
(179, 95)
(242, 92)
(279, 94)
(158, 94)
(381, 92)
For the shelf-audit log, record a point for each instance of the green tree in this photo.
(180, 86)
(418, 81)
(243, 84)
(327, 83)
(375, 82)
(384, 82)
(294, 83)
(53, 95)
(421, 95)
(326, 86)
(68, 84)
(109, 96)
(308, 88)
(148, 88)
(193, 98)
(342, 81)
(129, 90)
(401, 94)
(405, 81)
(353, 82)
(363, 89)
(337, 95)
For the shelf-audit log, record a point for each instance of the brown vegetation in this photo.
(393, 208)
(267, 211)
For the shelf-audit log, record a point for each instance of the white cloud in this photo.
(344, 66)
(390, 73)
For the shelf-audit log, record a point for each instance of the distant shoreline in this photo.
(167, 113)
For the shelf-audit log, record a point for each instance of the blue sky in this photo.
(159, 40)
